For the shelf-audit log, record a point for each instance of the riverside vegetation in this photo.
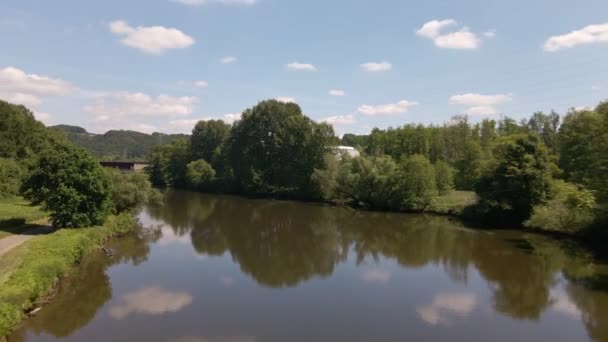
(547, 172)
(65, 184)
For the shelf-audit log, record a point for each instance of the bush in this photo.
(11, 175)
(71, 185)
(418, 182)
(570, 209)
(129, 191)
(444, 177)
(200, 174)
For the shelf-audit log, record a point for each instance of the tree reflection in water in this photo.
(282, 243)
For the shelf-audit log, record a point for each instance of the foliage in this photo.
(129, 190)
(21, 136)
(444, 177)
(274, 149)
(570, 209)
(117, 144)
(71, 185)
(11, 174)
(419, 182)
(200, 174)
(48, 258)
(517, 179)
(583, 141)
(207, 139)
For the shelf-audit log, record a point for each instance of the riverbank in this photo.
(36, 266)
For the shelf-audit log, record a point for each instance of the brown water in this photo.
(219, 268)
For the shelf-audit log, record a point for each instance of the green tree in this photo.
(419, 182)
(71, 185)
(584, 149)
(11, 174)
(444, 176)
(517, 179)
(177, 156)
(468, 167)
(207, 139)
(200, 174)
(274, 149)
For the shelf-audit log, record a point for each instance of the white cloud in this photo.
(376, 276)
(285, 99)
(377, 67)
(13, 80)
(473, 99)
(150, 301)
(446, 305)
(201, 84)
(595, 87)
(231, 117)
(340, 120)
(490, 34)
(301, 66)
(460, 39)
(480, 105)
(27, 100)
(387, 109)
(152, 39)
(228, 60)
(587, 35)
(336, 92)
(221, 2)
(42, 116)
(125, 104)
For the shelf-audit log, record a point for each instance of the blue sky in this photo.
(160, 65)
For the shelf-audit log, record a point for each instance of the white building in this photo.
(347, 150)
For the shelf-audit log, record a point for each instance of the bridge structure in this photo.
(126, 166)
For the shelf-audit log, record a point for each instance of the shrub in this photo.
(200, 174)
(444, 177)
(11, 174)
(570, 209)
(129, 191)
(418, 182)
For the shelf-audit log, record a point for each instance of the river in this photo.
(230, 269)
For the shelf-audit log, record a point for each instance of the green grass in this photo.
(452, 203)
(15, 212)
(40, 263)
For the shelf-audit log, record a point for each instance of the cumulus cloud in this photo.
(150, 301)
(337, 92)
(462, 38)
(445, 306)
(591, 34)
(221, 2)
(285, 99)
(387, 109)
(377, 66)
(340, 120)
(124, 104)
(228, 60)
(14, 80)
(152, 39)
(301, 66)
(231, 117)
(479, 104)
(30, 90)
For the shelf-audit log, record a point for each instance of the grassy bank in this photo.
(15, 212)
(452, 203)
(44, 261)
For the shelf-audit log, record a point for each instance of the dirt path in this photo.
(12, 241)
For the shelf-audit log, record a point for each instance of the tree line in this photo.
(41, 165)
(547, 171)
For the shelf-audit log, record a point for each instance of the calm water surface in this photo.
(219, 268)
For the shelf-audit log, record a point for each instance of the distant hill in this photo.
(117, 144)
